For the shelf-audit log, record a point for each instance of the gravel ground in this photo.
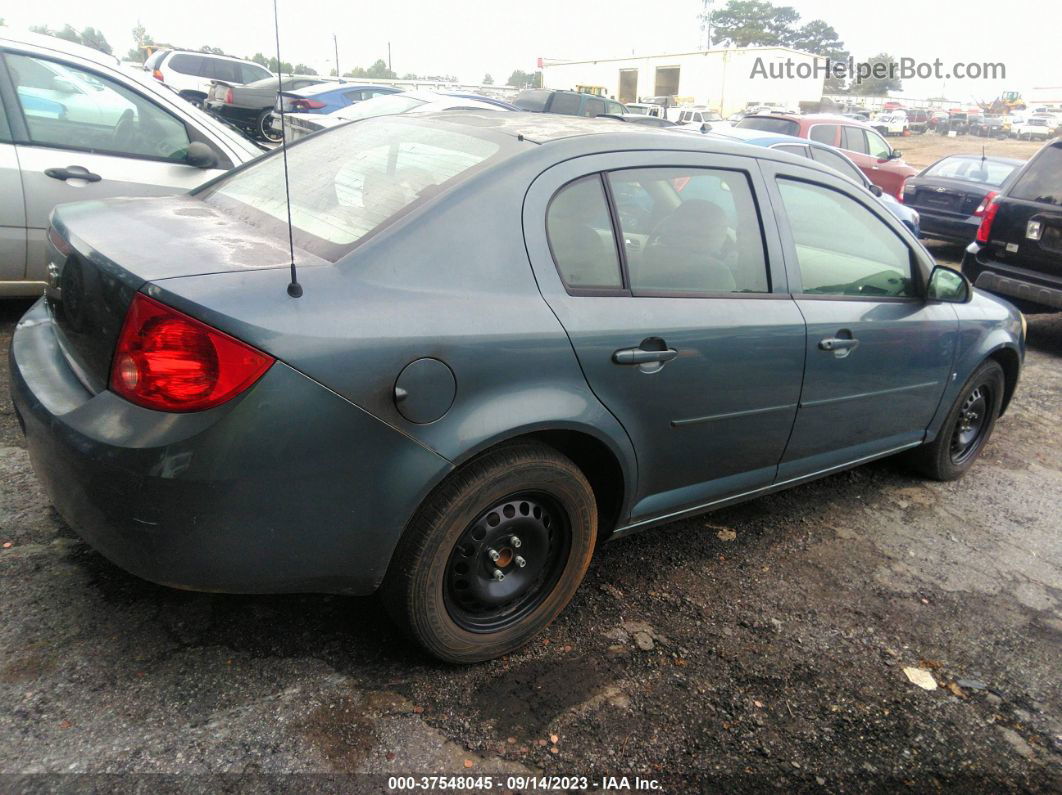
(760, 646)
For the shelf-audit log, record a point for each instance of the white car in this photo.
(893, 123)
(75, 124)
(700, 120)
(299, 125)
(191, 74)
(1036, 128)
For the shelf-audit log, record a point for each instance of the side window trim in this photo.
(919, 271)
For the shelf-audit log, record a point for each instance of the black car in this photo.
(568, 103)
(1018, 249)
(250, 106)
(951, 195)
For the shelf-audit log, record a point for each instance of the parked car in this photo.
(990, 127)
(325, 98)
(957, 123)
(827, 156)
(493, 364)
(75, 125)
(937, 119)
(952, 194)
(645, 109)
(191, 73)
(694, 118)
(892, 123)
(1018, 249)
(1036, 128)
(917, 120)
(882, 164)
(299, 125)
(568, 103)
(250, 106)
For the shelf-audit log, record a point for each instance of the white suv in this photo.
(191, 73)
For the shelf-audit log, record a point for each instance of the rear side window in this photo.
(593, 107)
(853, 140)
(565, 103)
(842, 248)
(824, 133)
(217, 69)
(838, 162)
(155, 59)
(1042, 182)
(251, 72)
(579, 229)
(187, 64)
(793, 149)
(351, 182)
(691, 231)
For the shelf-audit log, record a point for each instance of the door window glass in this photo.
(74, 109)
(565, 103)
(689, 230)
(218, 69)
(593, 107)
(580, 234)
(824, 133)
(842, 248)
(187, 64)
(876, 145)
(838, 162)
(853, 140)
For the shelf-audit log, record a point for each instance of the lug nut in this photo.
(499, 575)
(516, 542)
(493, 554)
(520, 561)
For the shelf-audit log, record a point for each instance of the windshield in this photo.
(350, 181)
(971, 169)
(380, 106)
(769, 124)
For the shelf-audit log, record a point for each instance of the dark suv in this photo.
(570, 103)
(1018, 250)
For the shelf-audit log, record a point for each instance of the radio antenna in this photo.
(294, 289)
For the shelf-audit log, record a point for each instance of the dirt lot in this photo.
(761, 646)
(922, 150)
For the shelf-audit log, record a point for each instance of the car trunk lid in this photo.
(948, 198)
(101, 253)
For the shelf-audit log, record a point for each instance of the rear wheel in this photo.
(967, 427)
(264, 126)
(494, 555)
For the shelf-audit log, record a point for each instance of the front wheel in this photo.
(967, 427)
(494, 554)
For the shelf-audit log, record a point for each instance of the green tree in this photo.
(878, 85)
(68, 34)
(278, 67)
(409, 76)
(211, 50)
(95, 39)
(821, 39)
(142, 39)
(522, 79)
(488, 80)
(750, 23)
(42, 29)
(303, 69)
(380, 71)
(260, 59)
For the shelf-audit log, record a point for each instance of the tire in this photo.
(263, 127)
(440, 587)
(954, 450)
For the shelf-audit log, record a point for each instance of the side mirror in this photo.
(948, 286)
(876, 190)
(706, 127)
(200, 155)
(64, 86)
(894, 155)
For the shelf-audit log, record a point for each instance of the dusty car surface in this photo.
(458, 418)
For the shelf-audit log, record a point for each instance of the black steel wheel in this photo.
(494, 554)
(967, 427)
(506, 561)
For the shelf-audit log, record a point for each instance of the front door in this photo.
(685, 332)
(878, 354)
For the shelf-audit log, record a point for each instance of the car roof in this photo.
(331, 84)
(174, 50)
(62, 46)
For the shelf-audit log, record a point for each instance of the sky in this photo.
(473, 37)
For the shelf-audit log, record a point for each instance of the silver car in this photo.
(75, 124)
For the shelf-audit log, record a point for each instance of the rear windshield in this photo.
(971, 169)
(1042, 182)
(769, 124)
(350, 181)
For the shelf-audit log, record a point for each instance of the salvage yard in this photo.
(763, 645)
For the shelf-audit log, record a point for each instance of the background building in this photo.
(719, 79)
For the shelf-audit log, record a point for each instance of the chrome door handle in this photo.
(841, 346)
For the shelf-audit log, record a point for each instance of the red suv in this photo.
(879, 161)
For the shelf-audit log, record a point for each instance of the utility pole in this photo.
(335, 43)
(388, 56)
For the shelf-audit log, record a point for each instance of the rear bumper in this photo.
(233, 113)
(943, 227)
(287, 488)
(1012, 281)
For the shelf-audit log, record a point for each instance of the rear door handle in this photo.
(642, 356)
(72, 172)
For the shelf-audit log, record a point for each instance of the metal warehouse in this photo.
(727, 80)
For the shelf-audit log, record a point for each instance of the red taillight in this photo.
(988, 216)
(307, 104)
(168, 361)
(987, 200)
(157, 75)
(228, 97)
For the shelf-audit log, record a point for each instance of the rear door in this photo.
(878, 355)
(134, 147)
(686, 331)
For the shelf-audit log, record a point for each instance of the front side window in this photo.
(876, 146)
(74, 109)
(842, 248)
(250, 72)
(579, 229)
(350, 182)
(593, 107)
(690, 231)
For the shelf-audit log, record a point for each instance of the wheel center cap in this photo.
(505, 557)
